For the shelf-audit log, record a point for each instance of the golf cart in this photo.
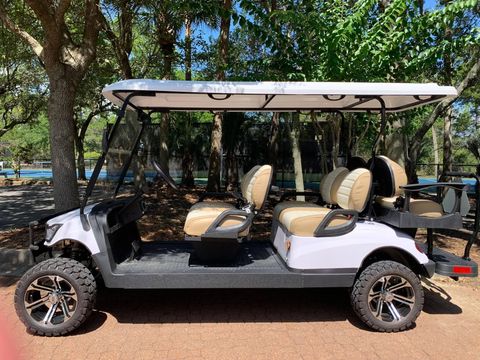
(360, 235)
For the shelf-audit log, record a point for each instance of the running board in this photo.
(448, 264)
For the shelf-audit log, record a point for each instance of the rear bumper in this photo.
(447, 264)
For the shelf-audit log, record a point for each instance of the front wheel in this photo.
(55, 297)
(387, 296)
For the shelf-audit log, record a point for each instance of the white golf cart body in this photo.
(354, 242)
(287, 260)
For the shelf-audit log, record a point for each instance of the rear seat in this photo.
(390, 178)
(352, 198)
(328, 190)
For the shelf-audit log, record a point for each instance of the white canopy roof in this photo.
(273, 96)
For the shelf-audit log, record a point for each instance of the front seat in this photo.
(223, 220)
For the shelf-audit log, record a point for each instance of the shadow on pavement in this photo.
(6, 281)
(229, 306)
(438, 301)
(242, 305)
(95, 321)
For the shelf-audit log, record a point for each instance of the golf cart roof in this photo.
(172, 95)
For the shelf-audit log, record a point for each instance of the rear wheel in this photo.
(55, 297)
(387, 296)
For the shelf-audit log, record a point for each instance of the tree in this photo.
(222, 64)
(66, 49)
(294, 134)
(22, 90)
(333, 40)
(415, 144)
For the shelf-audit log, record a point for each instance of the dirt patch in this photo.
(15, 238)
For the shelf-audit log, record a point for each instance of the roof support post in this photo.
(383, 125)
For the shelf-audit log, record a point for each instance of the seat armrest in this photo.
(214, 230)
(289, 194)
(323, 229)
(420, 187)
(457, 187)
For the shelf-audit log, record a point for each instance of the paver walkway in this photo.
(250, 324)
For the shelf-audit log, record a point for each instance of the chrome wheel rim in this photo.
(50, 300)
(391, 298)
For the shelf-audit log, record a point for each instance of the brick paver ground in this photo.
(248, 324)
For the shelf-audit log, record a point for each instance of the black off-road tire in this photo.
(368, 278)
(77, 275)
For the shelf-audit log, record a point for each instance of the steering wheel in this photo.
(164, 175)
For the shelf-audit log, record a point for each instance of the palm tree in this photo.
(216, 138)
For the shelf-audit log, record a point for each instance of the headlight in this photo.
(51, 230)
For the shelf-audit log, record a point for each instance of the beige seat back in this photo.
(330, 184)
(256, 185)
(389, 177)
(354, 191)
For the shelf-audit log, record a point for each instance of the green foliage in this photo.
(26, 142)
(22, 84)
(304, 40)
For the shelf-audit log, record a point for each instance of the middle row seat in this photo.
(303, 219)
(328, 191)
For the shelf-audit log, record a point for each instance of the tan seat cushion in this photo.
(398, 173)
(304, 221)
(330, 184)
(286, 205)
(426, 208)
(203, 214)
(420, 207)
(386, 202)
(256, 185)
(353, 193)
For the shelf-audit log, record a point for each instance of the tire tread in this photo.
(360, 286)
(74, 269)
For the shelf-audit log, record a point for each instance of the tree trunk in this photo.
(164, 135)
(394, 142)
(188, 49)
(320, 140)
(138, 163)
(273, 144)
(62, 138)
(294, 132)
(65, 63)
(167, 45)
(187, 158)
(447, 142)
(335, 130)
(216, 138)
(187, 168)
(436, 156)
(232, 170)
(79, 143)
(213, 183)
